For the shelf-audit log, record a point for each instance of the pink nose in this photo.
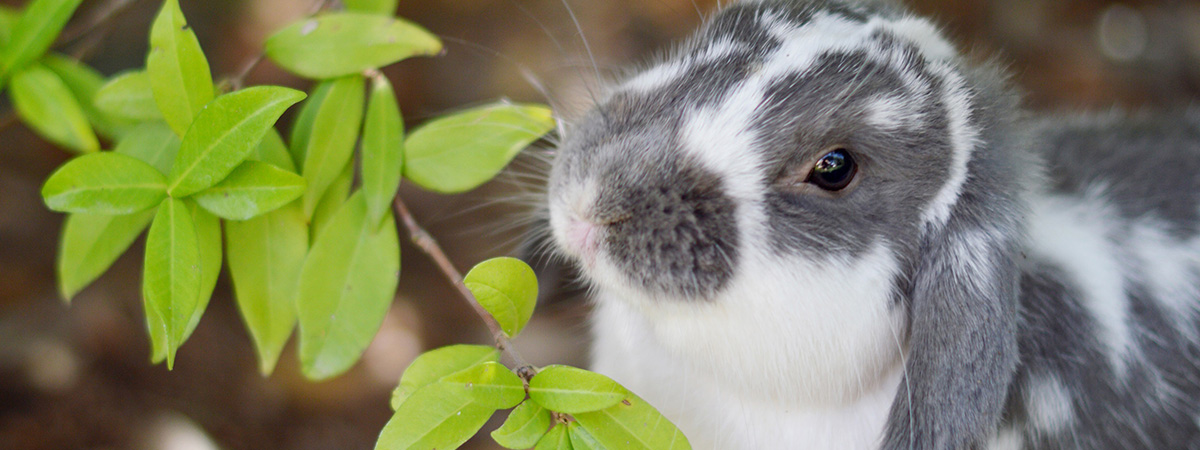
(582, 237)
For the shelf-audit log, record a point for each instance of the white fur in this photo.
(1168, 266)
(1007, 439)
(891, 112)
(818, 369)
(655, 77)
(964, 138)
(1049, 405)
(1076, 234)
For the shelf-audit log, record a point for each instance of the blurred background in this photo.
(79, 377)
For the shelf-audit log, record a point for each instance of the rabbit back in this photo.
(1110, 288)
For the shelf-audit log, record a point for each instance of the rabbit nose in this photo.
(670, 228)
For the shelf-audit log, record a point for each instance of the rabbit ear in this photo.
(962, 339)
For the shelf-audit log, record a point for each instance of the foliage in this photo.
(205, 174)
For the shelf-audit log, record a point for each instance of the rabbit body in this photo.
(815, 226)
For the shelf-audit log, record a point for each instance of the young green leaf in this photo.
(34, 32)
(335, 129)
(385, 7)
(128, 97)
(632, 424)
(265, 256)
(439, 416)
(272, 150)
(382, 149)
(490, 384)
(302, 127)
(525, 426)
(156, 328)
(507, 288)
(104, 183)
(224, 133)
(581, 439)
(208, 238)
(555, 439)
(84, 82)
(339, 44)
(347, 283)
(171, 282)
(332, 201)
(45, 103)
(252, 189)
(457, 153)
(435, 365)
(151, 142)
(570, 390)
(8, 19)
(179, 73)
(91, 243)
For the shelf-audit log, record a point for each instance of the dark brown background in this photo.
(79, 376)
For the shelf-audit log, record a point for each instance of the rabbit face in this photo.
(779, 171)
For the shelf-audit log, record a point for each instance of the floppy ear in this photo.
(963, 331)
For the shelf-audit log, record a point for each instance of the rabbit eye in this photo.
(834, 171)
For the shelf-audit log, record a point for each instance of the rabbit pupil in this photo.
(834, 171)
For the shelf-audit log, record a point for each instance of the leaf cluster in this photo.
(448, 394)
(304, 223)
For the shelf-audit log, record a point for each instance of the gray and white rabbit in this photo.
(815, 225)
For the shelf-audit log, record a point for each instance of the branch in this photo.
(429, 245)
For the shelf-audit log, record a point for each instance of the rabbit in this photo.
(816, 225)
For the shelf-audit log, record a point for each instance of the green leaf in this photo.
(84, 83)
(385, 7)
(382, 149)
(570, 390)
(45, 103)
(179, 73)
(151, 142)
(507, 288)
(8, 20)
(224, 133)
(302, 128)
(252, 189)
(438, 416)
(104, 183)
(332, 201)
(491, 384)
(34, 32)
(265, 256)
(91, 243)
(128, 97)
(525, 426)
(581, 439)
(555, 439)
(272, 150)
(632, 424)
(171, 282)
(435, 365)
(459, 152)
(338, 44)
(208, 236)
(347, 283)
(335, 129)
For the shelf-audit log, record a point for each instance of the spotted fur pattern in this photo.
(987, 281)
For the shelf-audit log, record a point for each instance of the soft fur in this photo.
(988, 281)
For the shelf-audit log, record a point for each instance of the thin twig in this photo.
(429, 245)
(80, 31)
